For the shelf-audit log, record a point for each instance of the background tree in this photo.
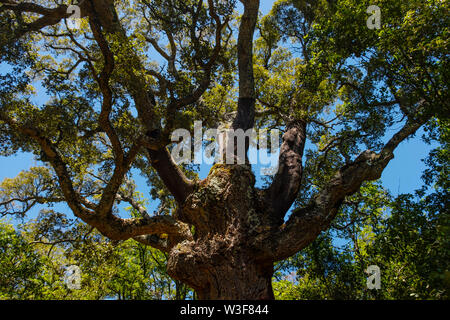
(18, 264)
(36, 258)
(334, 87)
(407, 239)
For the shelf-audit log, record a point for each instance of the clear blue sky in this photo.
(401, 176)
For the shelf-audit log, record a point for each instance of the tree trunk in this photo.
(223, 262)
(236, 280)
(219, 277)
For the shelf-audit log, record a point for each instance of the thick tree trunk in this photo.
(223, 276)
(237, 279)
(223, 261)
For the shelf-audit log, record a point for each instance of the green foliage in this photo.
(34, 263)
(405, 61)
(20, 265)
(318, 60)
(410, 246)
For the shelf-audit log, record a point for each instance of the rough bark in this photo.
(222, 261)
(286, 185)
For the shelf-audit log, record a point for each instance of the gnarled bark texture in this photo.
(222, 262)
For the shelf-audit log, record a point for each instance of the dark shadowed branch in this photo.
(306, 223)
(286, 184)
(245, 117)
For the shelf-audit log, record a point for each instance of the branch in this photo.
(50, 16)
(155, 242)
(116, 228)
(207, 67)
(246, 106)
(142, 211)
(106, 223)
(51, 152)
(172, 176)
(103, 81)
(286, 184)
(306, 223)
(27, 204)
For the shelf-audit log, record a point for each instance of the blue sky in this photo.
(401, 176)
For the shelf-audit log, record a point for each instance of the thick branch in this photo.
(161, 160)
(172, 176)
(246, 106)
(49, 16)
(286, 184)
(306, 223)
(72, 197)
(109, 225)
(103, 81)
(116, 228)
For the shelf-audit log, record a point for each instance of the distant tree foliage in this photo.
(34, 261)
